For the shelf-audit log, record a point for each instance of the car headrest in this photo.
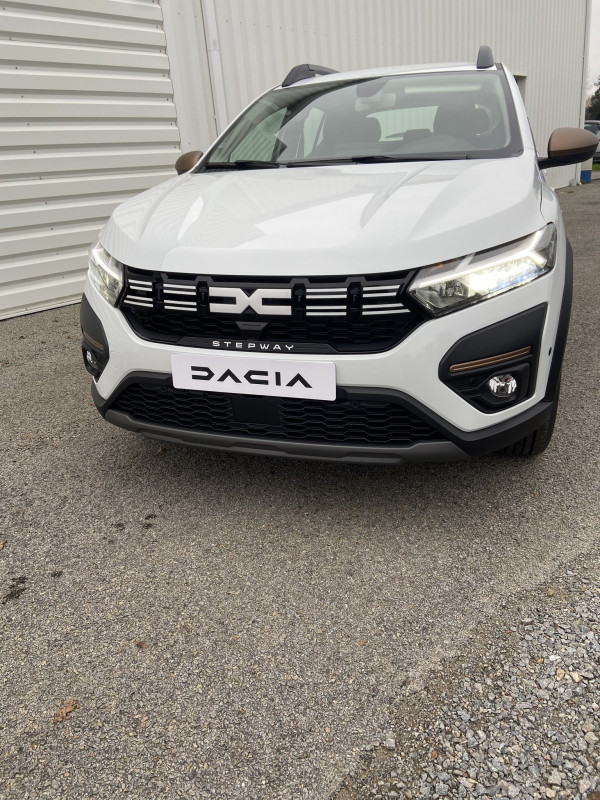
(341, 130)
(460, 121)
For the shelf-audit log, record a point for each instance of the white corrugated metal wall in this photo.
(542, 40)
(86, 119)
(88, 113)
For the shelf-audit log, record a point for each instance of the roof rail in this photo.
(303, 71)
(485, 57)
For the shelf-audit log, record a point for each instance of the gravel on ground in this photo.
(516, 715)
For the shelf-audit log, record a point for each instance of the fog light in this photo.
(91, 359)
(502, 385)
(92, 364)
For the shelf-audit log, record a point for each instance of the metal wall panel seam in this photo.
(22, 136)
(37, 25)
(25, 164)
(213, 46)
(17, 52)
(57, 187)
(59, 106)
(35, 80)
(190, 73)
(137, 10)
(584, 66)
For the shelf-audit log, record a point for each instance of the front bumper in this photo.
(448, 444)
(408, 375)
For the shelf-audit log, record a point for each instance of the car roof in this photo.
(382, 72)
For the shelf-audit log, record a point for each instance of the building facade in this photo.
(99, 97)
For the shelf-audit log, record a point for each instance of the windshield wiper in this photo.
(399, 159)
(320, 162)
(242, 164)
(324, 162)
(329, 162)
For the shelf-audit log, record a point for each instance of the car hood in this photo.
(327, 220)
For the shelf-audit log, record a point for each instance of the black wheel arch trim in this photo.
(562, 332)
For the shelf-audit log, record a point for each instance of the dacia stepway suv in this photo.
(365, 266)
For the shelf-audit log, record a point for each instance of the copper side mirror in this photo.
(569, 146)
(188, 161)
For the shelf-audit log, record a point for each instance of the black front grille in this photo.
(346, 420)
(342, 335)
(345, 315)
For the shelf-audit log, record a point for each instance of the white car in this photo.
(365, 266)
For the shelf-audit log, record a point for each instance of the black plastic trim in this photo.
(303, 71)
(485, 57)
(420, 452)
(473, 443)
(94, 338)
(513, 120)
(562, 332)
(510, 334)
(91, 326)
(547, 162)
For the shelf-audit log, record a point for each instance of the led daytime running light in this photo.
(480, 276)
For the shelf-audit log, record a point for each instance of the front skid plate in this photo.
(423, 451)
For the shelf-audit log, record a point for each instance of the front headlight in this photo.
(455, 284)
(106, 273)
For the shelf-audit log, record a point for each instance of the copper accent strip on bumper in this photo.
(98, 345)
(490, 361)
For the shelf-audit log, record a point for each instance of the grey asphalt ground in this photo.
(234, 627)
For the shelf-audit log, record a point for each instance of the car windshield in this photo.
(410, 117)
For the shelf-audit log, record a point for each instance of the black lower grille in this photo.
(346, 420)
